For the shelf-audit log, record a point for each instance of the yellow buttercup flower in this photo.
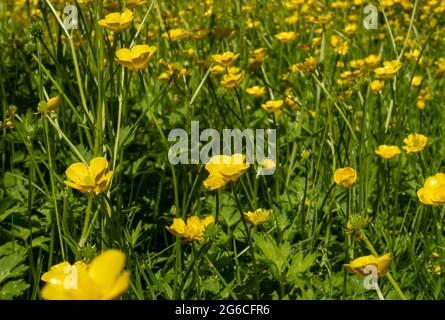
(433, 191)
(438, 269)
(306, 67)
(286, 37)
(229, 168)
(321, 19)
(412, 55)
(422, 98)
(415, 142)
(94, 178)
(134, 3)
(50, 105)
(357, 266)
(290, 100)
(293, 19)
(226, 59)
(192, 230)
(351, 28)
(348, 76)
(345, 177)
(101, 279)
(340, 45)
(358, 64)
(256, 58)
(273, 105)
(233, 78)
(53, 102)
(117, 21)
(214, 182)
(377, 85)
(417, 81)
(175, 34)
(389, 69)
(174, 71)
(135, 58)
(373, 61)
(217, 69)
(256, 91)
(259, 216)
(387, 152)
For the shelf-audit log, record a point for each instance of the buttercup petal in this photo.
(77, 172)
(105, 268)
(97, 166)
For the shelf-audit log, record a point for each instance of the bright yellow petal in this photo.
(97, 166)
(120, 286)
(141, 55)
(126, 18)
(53, 292)
(75, 186)
(424, 196)
(208, 220)
(178, 227)
(105, 268)
(123, 55)
(214, 182)
(383, 264)
(56, 274)
(77, 172)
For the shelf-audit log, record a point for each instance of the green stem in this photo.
(221, 278)
(388, 274)
(53, 189)
(249, 240)
(217, 206)
(86, 224)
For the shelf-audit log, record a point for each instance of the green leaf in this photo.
(300, 264)
(11, 266)
(13, 289)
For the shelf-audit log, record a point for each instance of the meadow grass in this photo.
(332, 116)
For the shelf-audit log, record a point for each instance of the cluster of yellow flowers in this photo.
(137, 57)
(191, 230)
(223, 64)
(223, 169)
(415, 142)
